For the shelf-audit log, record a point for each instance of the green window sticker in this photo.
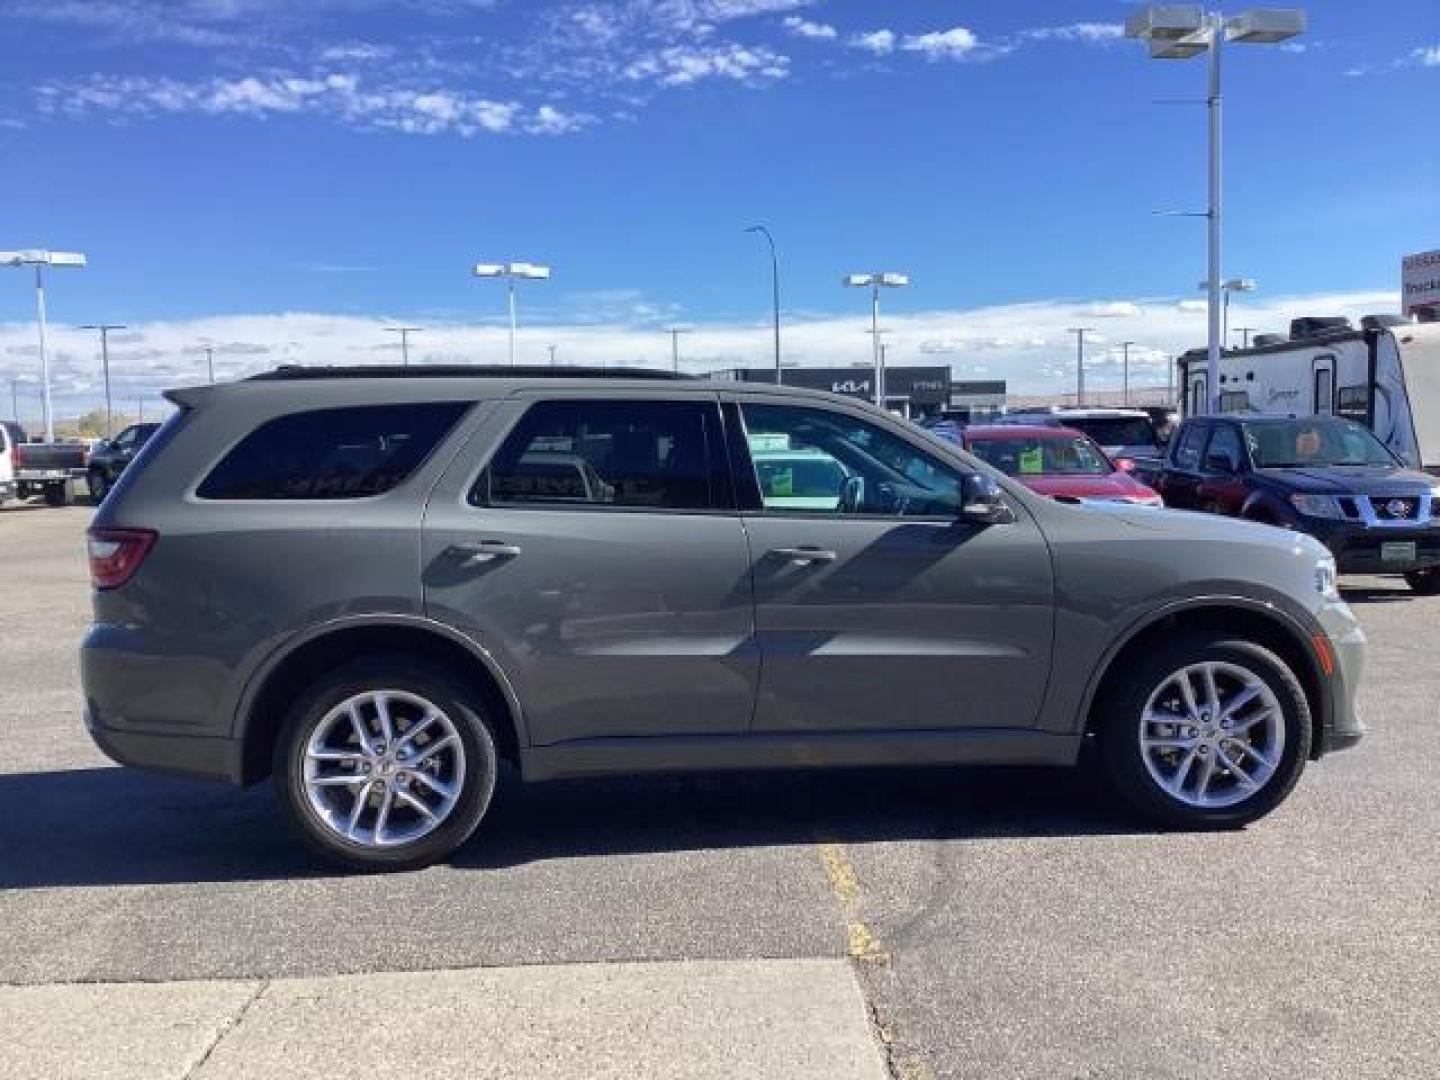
(782, 483)
(1032, 460)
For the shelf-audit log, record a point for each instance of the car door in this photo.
(590, 544)
(123, 451)
(876, 608)
(1222, 488)
(1182, 474)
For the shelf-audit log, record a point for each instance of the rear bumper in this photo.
(183, 755)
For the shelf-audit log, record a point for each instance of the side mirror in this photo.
(982, 501)
(1222, 463)
(852, 494)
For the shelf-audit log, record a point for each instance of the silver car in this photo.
(375, 584)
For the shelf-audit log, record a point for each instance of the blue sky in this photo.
(243, 159)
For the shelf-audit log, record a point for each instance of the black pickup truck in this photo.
(1322, 475)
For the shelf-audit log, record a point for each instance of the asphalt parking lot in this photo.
(1001, 924)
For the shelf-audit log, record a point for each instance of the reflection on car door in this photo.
(592, 546)
(887, 612)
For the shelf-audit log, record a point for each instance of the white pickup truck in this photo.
(28, 469)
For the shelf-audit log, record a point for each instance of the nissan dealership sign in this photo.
(1420, 282)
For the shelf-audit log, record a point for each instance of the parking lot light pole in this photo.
(1080, 332)
(41, 259)
(1245, 331)
(405, 332)
(105, 329)
(1178, 32)
(876, 282)
(510, 272)
(775, 291)
(675, 332)
(1125, 371)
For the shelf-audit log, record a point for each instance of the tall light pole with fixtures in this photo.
(1246, 331)
(675, 332)
(876, 282)
(553, 350)
(775, 290)
(510, 272)
(405, 332)
(1178, 32)
(105, 329)
(1080, 332)
(1125, 371)
(41, 259)
(1230, 285)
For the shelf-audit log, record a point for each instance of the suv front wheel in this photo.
(385, 764)
(1206, 733)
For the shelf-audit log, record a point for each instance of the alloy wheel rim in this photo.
(384, 768)
(1212, 734)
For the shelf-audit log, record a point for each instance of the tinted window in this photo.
(820, 462)
(1324, 390)
(1116, 430)
(332, 453)
(1187, 450)
(657, 455)
(1283, 444)
(1226, 442)
(1353, 402)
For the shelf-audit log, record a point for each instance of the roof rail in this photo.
(458, 371)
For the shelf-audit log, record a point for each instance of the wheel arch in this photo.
(1250, 620)
(286, 673)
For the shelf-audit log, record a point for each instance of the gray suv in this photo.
(375, 584)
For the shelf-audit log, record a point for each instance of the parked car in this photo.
(1325, 476)
(110, 459)
(1124, 434)
(1055, 461)
(329, 576)
(29, 468)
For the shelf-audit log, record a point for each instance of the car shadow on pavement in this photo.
(109, 826)
(1377, 594)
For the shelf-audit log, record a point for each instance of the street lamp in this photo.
(675, 332)
(553, 349)
(105, 329)
(510, 271)
(1232, 285)
(1080, 332)
(1178, 32)
(405, 332)
(41, 259)
(876, 282)
(775, 289)
(1125, 371)
(1246, 331)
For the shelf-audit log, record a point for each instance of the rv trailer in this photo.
(1385, 375)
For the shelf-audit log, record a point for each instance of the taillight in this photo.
(115, 555)
(17, 456)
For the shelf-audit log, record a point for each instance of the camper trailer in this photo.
(1386, 375)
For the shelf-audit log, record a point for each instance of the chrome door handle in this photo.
(486, 551)
(805, 554)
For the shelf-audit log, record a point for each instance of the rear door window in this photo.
(1187, 448)
(348, 453)
(587, 454)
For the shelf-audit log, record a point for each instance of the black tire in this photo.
(1118, 731)
(1424, 582)
(408, 675)
(57, 494)
(98, 486)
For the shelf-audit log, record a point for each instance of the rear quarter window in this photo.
(349, 453)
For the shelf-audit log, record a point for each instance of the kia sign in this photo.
(1420, 283)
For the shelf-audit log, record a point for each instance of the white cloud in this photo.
(1426, 56)
(681, 65)
(804, 28)
(953, 44)
(879, 42)
(1112, 309)
(338, 95)
(1089, 32)
(1025, 343)
(1192, 307)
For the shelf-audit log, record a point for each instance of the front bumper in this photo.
(1359, 548)
(1342, 727)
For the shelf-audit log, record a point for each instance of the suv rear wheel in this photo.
(1206, 733)
(386, 763)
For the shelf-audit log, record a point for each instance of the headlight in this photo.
(1326, 579)
(1320, 506)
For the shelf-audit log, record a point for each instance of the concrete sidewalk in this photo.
(790, 1018)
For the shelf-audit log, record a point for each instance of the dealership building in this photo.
(914, 391)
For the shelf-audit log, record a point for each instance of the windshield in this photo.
(1116, 430)
(1043, 456)
(1300, 443)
